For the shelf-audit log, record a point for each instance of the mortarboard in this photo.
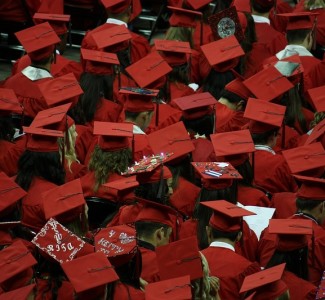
(305, 158)
(56, 20)
(138, 99)
(113, 136)
(268, 283)
(118, 243)
(197, 4)
(112, 36)
(311, 188)
(264, 115)
(60, 90)
(116, 6)
(9, 102)
(291, 233)
(317, 133)
(226, 23)
(171, 139)
(300, 20)
(195, 106)
(226, 216)
(58, 242)
(10, 192)
(39, 41)
(268, 84)
(65, 202)
(223, 54)
(180, 258)
(216, 175)
(317, 97)
(171, 289)
(22, 293)
(89, 271)
(99, 62)
(120, 185)
(237, 87)
(155, 212)
(184, 17)
(42, 140)
(148, 69)
(15, 259)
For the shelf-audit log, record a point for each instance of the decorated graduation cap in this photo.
(292, 233)
(311, 188)
(226, 23)
(180, 258)
(176, 288)
(267, 283)
(22, 293)
(61, 90)
(184, 17)
(317, 97)
(99, 62)
(56, 20)
(300, 20)
(268, 84)
(237, 87)
(195, 106)
(264, 116)
(118, 243)
(42, 140)
(171, 139)
(116, 6)
(138, 99)
(113, 136)
(58, 242)
(233, 146)
(39, 41)
(216, 175)
(148, 69)
(10, 192)
(9, 102)
(305, 158)
(89, 271)
(223, 54)
(226, 217)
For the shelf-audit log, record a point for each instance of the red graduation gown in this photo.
(248, 195)
(75, 171)
(203, 150)
(150, 270)
(44, 290)
(127, 292)
(107, 111)
(230, 268)
(284, 204)
(83, 141)
(12, 10)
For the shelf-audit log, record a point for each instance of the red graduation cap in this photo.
(237, 87)
(300, 20)
(311, 188)
(148, 69)
(264, 115)
(9, 102)
(268, 84)
(113, 136)
(121, 185)
(180, 258)
(196, 105)
(116, 6)
(22, 293)
(317, 97)
(10, 192)
(197, 4)
(89, 271)
(176, 288)
(56, 20)
(226, 216)
(138, 100)
(317, 133)
(305, 158)
(171, 139)
(60, 90)
(39, 41)
(58, 242)
(184, 17)
(42, 140)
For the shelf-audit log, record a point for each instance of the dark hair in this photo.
(180, 73)
(7, 129)
(305, 204)
(149, 191)
(296, 261)
(131, 115)
(43, 61)
(297, 36)
(217, 234)
(262, 138)
(203, 125)
(260, 9)
(46, 165)
(246, 171)
(232, 97)
(146, 229)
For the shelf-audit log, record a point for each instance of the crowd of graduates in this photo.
(191, 167)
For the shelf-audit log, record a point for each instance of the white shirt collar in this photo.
(264, 148)
(260, 19)
(116, 21)
(137, 130)
(34, 74)
(290, 50)
(222, 245)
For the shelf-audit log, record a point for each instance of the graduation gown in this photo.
(127, 292)
(284, 204)
(83, 141)
(150, 270)
(11, 10)
(45, 288)
(248, 195)
(230, 268)
(75, 171)
(107, 111)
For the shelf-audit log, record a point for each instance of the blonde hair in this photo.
(318, 117)
(314, 4)
(183, 34)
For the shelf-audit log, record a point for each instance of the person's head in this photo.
(183, 34)
(121, 11)
(302, 37)
(261, 7)
(313, 4)
(7, 129)
(203, 125)
(142, 119)
(267, 138)
(315, 208)
(232, 101)
(218, 235)
(318, 117)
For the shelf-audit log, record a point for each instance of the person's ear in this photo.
(209, 234)
(240, 105)
(239, 236)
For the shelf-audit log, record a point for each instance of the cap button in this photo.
(178, 262)
(306, 156)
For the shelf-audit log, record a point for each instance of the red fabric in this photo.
(150, 270)
(184, 197)
(127, 214)
(207, 35)
(178, 90)
(107, 111)
(231, 279)
(27, 93)
(272, 173)
(88, 182)
(141, 146)
(84, 139)
(124, 291)
(291, 139)
(75, 171)
(32, 207)
(248, 195)
(203, 151)
(278, 23)
(5, 238)
(44, 290)
(12, 10)
(284, 204)
(10, 154)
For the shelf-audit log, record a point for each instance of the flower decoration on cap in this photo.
(321, 289)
